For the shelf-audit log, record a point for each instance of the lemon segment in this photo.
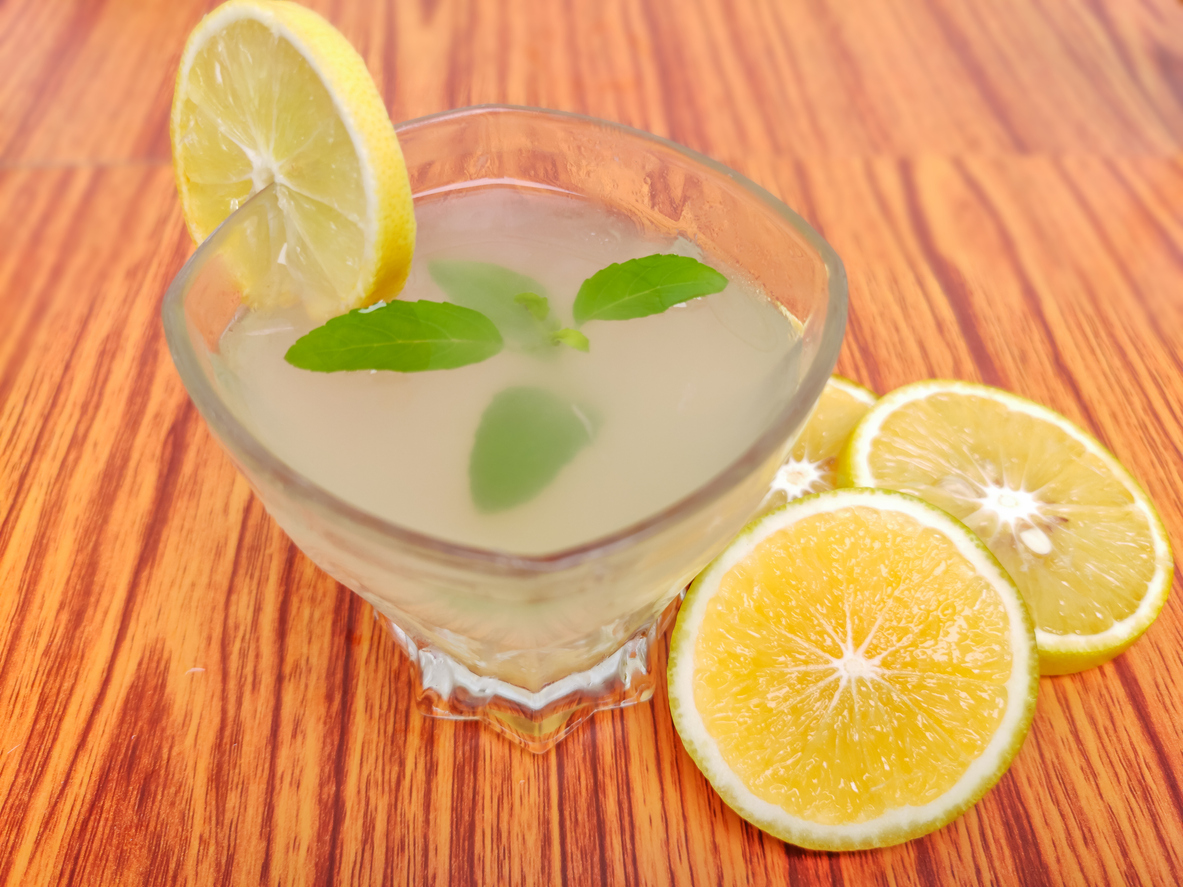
(854, 671)
(269, 92)
(810, 467)
(1071, 526)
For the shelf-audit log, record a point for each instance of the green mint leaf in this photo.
(491, 290)
(640, 287)
(574, 338)
(525, 437)
(407, 337)
(537, 305)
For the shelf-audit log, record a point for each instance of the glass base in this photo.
(536, 720)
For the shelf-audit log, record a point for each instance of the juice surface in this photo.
(670, 399)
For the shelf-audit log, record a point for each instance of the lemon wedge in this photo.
(810, 466)
(855, 670)
(269, 92)
(1072, 527)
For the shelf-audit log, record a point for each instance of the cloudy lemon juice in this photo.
(546, 378)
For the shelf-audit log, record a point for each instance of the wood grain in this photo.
(186, 699)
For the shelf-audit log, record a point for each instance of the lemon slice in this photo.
(855, 670)
(810, 466)
(1075, 531)
(268, 91)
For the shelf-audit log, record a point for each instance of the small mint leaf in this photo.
(525, 437)
(492, 290)
(407, 337)
(640, 287)
(574, 338)
(537, 305)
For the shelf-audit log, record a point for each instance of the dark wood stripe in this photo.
(230, 728)
(1109, 27)
(661, 767)
(853, 87)
(1165, 777)
(960, 307)
(129, 812)
(564, 843)
(927, 870)
(856, 340)
(42, 297)
(465, 782)
(679, 103)
(336, 786)
(951, 280)
(283, 622)
(1168, 348)
(1023, 838)
(624, 781)
(571, 37)
(457, 85)
(1033, 302)
(966, 52)
(1146, 212)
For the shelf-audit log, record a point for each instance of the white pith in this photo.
(852, 390)
(853, 667)
(1015, 510)
(1119, 632)
(797, 478)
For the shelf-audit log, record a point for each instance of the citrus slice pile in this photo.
(1071, 526)
(855, 670)
(269, 92)
(810, 466)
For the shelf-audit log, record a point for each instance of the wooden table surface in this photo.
(186, 699)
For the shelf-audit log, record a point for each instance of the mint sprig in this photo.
(526, 435)
(494, 291)
(495, 306)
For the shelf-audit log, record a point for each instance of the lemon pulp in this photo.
(852, 664)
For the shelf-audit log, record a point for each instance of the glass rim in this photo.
(245, 447)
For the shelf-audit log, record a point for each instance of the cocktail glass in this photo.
(531, 645)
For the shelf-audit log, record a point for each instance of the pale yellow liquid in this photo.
(676, 397)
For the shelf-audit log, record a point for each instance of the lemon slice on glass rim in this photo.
(1068, 522)
(269, 92)
(854, 671)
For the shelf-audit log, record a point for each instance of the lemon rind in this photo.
(853, 389)
(901, 824)
(383, 274)
(1061, 654)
